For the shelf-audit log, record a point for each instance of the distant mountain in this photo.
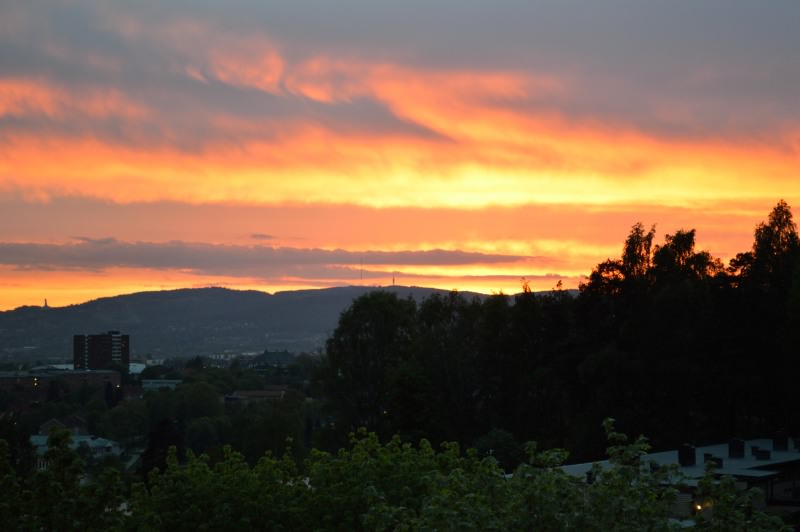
(188, 322)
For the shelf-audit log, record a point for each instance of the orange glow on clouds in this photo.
(26, 96)
(347, 152)
(315, 166)
(480, 150)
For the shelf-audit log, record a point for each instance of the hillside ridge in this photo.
(189, 321)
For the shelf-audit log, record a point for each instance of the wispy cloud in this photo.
(208, 105)
(232, 260)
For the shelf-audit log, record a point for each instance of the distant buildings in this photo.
(27, 388)
(101, 351)
(91, 446)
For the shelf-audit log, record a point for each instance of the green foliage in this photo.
(9, 486)
(226, 381)
(502, 446)
(200, 400)
(228, 496)
(265, 426)
(726, 509)
(59, 497)
(126, 423)
(632, 494)
(366, 486)
(18, 450)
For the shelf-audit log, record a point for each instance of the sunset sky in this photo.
(457, 144)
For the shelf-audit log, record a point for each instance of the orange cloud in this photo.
(327, 150)
(314, 165)
(23, 97)
(492, 156)
(249, 64)
(480, 142)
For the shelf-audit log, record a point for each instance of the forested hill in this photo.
(188, 322)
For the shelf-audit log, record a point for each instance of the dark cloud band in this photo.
(234, 260)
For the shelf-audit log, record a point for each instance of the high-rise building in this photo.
(101, 351)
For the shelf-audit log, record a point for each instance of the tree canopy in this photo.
(368, 486)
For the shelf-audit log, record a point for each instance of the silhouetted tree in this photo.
(447, 349)
(676, 260)
(636, 254)
(373, 338)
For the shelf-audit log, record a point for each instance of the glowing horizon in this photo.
(272, 146)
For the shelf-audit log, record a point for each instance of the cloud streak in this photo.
(98, 254)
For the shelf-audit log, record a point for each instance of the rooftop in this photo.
(750, 465)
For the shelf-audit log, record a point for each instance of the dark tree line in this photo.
(666, 339)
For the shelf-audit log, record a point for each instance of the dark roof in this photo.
(748, 466)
